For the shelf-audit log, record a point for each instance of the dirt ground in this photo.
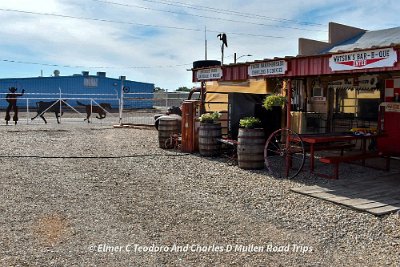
(93, 195)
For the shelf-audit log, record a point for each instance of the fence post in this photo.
(121, 103)
(27, 111)
(59, 88)
(166, 99)
(91, 108)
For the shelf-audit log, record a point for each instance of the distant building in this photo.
(78, 87)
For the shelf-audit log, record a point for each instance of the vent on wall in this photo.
(101, 74)
(85, 73)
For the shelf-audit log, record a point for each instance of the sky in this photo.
(156, 41)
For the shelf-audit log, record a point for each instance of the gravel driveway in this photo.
(84, 195)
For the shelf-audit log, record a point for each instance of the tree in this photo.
(183, 89)
(158, 89)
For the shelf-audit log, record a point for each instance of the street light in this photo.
(236, 58)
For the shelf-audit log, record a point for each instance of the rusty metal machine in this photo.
(190, 125)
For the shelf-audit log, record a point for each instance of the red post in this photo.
(289, 103)
(288, 109)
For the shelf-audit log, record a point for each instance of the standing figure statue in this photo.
(222, 37)
(11, 98)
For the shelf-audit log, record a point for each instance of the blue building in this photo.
(79, 87)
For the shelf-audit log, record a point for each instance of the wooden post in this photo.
(202, 97)
(288, 124)
(289, 103)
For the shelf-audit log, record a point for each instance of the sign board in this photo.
(391, 106)
(378, 58)
(268, 68)
(209, 74)
(361, 83)
(318, 99)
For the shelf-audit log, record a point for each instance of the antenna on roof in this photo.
(205, 42)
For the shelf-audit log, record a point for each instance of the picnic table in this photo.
(321, 142)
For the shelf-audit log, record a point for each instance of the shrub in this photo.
(274, 100)
(210, 117)
(250, 123)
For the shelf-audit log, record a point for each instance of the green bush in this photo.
(210, 117)
(250, 123)
(274, 100)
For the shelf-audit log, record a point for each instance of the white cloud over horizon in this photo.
(161, 53)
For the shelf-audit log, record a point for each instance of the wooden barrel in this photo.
(166, 127)
(250, 150)
(209, 133)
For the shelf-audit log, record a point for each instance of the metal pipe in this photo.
(27, 111)
(121, 103)
(59, 88)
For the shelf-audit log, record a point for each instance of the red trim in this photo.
(300, 66)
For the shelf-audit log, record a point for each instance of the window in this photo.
(317, 91)
(90, 82)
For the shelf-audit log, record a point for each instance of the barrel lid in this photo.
(168, 118)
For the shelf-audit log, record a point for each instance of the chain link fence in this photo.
(107, 109)
(161, 102)
(39, 108)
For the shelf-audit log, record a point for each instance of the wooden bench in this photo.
(336, 160)
(334, 146)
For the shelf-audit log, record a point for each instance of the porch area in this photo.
(361, 188)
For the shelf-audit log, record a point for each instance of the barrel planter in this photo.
(209, 133)
(250, 149)
(166, 127)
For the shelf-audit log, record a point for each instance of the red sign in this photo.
(378, 58)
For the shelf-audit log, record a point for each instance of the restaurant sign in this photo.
(276, 67)
(377, 58)
(209, 74)
(361, 83)
(391, 106)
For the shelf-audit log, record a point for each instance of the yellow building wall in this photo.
(217, 92)
(350, 103)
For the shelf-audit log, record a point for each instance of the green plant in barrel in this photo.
(250, 123)
(274, 100)
(250, 148)
(210, 117)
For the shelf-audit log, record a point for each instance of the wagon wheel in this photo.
(284, 153)
(169, 143)
(173, 142)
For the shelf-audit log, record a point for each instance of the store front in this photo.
(332, 92)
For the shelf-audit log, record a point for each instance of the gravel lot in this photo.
(91, 195)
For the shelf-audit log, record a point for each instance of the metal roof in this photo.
(369, 39)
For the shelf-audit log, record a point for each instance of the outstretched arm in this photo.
(21, 94)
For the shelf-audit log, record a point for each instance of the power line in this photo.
(94, 67)
(96, 19)
(226, 11)
(207, 17)
(130, 23)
